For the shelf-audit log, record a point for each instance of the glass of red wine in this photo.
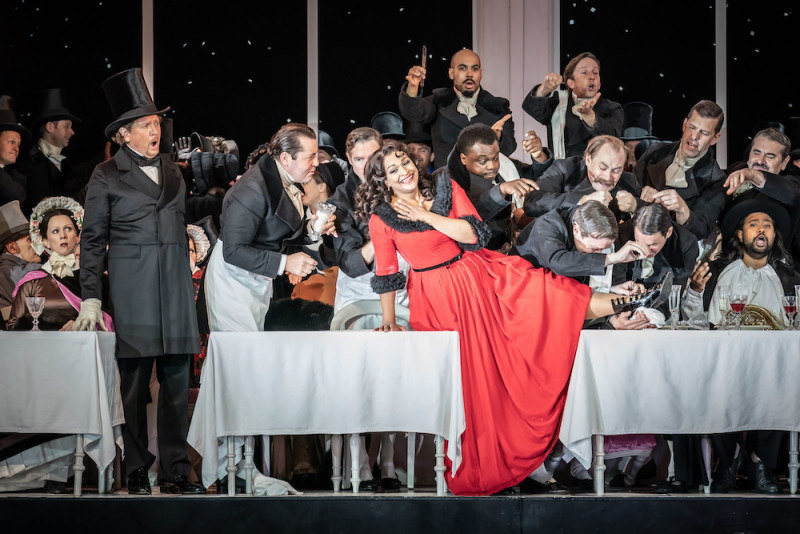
(790, 308)
(738, 300)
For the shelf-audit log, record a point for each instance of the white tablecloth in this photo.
(62, 383)
(272, 383)
(682, 382)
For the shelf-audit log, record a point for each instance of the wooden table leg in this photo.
(599, 465)
(412, 449)
(79, 468)
(248, 464)
(440, 468)
(336, 460)
(793, 464)
(231, 468)
(355, 460)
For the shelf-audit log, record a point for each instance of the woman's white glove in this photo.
(89, 316)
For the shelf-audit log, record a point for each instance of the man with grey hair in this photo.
(17, 256)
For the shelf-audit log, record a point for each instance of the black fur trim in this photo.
(387, 283)
(442, 202)
(481, 231)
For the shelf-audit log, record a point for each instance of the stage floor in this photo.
(404, 512)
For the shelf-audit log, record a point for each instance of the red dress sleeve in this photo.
(461, 203)
(387, 271)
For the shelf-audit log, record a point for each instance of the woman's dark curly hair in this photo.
(374, 191)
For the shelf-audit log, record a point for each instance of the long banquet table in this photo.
(63, 383)
(681, 382)
(337, 382)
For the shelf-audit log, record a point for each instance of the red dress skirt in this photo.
(518, 328)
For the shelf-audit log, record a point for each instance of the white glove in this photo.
(89, 316)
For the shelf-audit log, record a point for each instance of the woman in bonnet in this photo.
(55, 227)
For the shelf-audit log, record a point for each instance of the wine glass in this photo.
(738, 300)
(674, 305)
(324, 212)
(790, 307)
(35, 307)
(724, 307)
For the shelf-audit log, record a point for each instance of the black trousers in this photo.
(172, 371)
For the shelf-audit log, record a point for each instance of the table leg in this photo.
(248, 464)
(412, 449)
(231, 468)
(599, 464)
(439, 468)
(101, 481)
(355, 460)
(336, 458)
(793, 464)
(79, 468)
(705, 450)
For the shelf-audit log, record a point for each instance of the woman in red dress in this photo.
(518, 325)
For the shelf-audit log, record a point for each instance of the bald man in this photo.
(449, 110)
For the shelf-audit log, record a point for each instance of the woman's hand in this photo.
(411, 212)
(391, 327)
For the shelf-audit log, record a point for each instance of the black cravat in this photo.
(140, 160)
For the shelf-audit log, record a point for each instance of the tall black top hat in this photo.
(129, 98)
(325, 142)
(417, 132)
(50, 107)
(389, 124)
(8, 119)
(637, 122)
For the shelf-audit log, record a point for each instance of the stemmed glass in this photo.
(797, 292)
(790, 308)
(35, 307)
(738, 299)
(724, 307)
(674, 305)
(324, 212)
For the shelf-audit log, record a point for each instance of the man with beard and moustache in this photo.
(766, 177)
(576, 113)
(752, 256)
(135, 211)
(684, 176)
(489, 178)
(597, 175)
(450, 109)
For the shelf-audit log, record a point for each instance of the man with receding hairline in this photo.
(450, 109)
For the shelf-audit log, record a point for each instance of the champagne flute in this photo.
(738, 300)
(674, 305)
(35, 307)
(724, 307)
(790, 308)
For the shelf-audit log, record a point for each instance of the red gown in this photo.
(518, 329)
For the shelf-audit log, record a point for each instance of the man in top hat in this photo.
(575, 111)
(449, 109)
(135, 207)
(17, 256)
(420, 145)
(46, 169)
(752, 257)
(12, 134)
(684, 176)
(389, 125)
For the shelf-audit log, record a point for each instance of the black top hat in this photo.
(637, 123)
(332, 174)
(740, 210)
(8, 119)
(418, 132)
(129, 98)
(50, 107)
(389, 124)
(325, 142)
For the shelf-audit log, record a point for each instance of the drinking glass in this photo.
(738, 300)
(790, 308)
(324, 212)
(724, 307)
(797, 292)
(674, 305)
(35, 307)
